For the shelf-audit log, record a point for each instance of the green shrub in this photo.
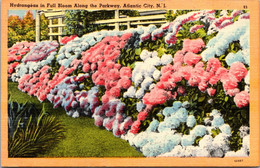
(31, 132)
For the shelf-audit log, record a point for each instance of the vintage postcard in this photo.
(129, 83)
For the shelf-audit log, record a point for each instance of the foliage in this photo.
(23, 29)
(19, 114)
(13, 37)
(44, 28)
(171, 15)
(79, 22)
(35, 132)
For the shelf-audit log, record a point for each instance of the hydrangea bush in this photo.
(178, 90)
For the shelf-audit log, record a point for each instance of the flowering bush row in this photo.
(187, 67)
(217, 47)
(74, 102)
(15, 54)
(66, 39)
(128, 80)
(41, 54)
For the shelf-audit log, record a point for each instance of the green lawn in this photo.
(82, 137)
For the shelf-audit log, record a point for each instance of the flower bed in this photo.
(178, 90)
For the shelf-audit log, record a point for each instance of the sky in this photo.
(20, 13)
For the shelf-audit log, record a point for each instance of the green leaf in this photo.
(214, 133)
(138, 51)
(226, 98)
(243, 114)
(201, 99)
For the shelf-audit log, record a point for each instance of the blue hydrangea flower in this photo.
(167, 111)
(237, 57)
(171, 122)
(176, 105)
(153, 126)
(199, 130)
(217, 121)
(181, 115)
(186, 104)
(187, 140)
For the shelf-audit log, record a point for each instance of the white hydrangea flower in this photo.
(206, 142)
(156, 74)
(162, 144)
(221, 141)
(214, 112)
(189, 151)
(225, 128)
(219, 44)
(234, 57)
(202, 152)
(154, 61)
(166, 59)
(152, 86)
(239, 153)
(177, 151)
(191, 121)
(146, 83)
(140, 106)
(246, 143)
(218, 152)
(176, 105)
(167, 111)
(138, 79)
(144, 55)
(141, 139)
(247, 78)
(139, 93)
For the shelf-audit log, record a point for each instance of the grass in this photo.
(82, 137)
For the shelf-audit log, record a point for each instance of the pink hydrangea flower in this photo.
(232, 92)
(213, 64)
(156, 96)
(239, 70)
(242, 99)
(135, 127)
(211, 91)
(178, 57)
(229, 81)
(191, 59)
(125, 71)
(142, 115)
(195, 28)
(194, 46)
(181, 90)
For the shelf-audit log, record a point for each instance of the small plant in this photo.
(31, 132)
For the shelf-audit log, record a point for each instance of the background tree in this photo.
(79, 22)
(15, 28)
(44, 27)
(172, 14)
(23, 29)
